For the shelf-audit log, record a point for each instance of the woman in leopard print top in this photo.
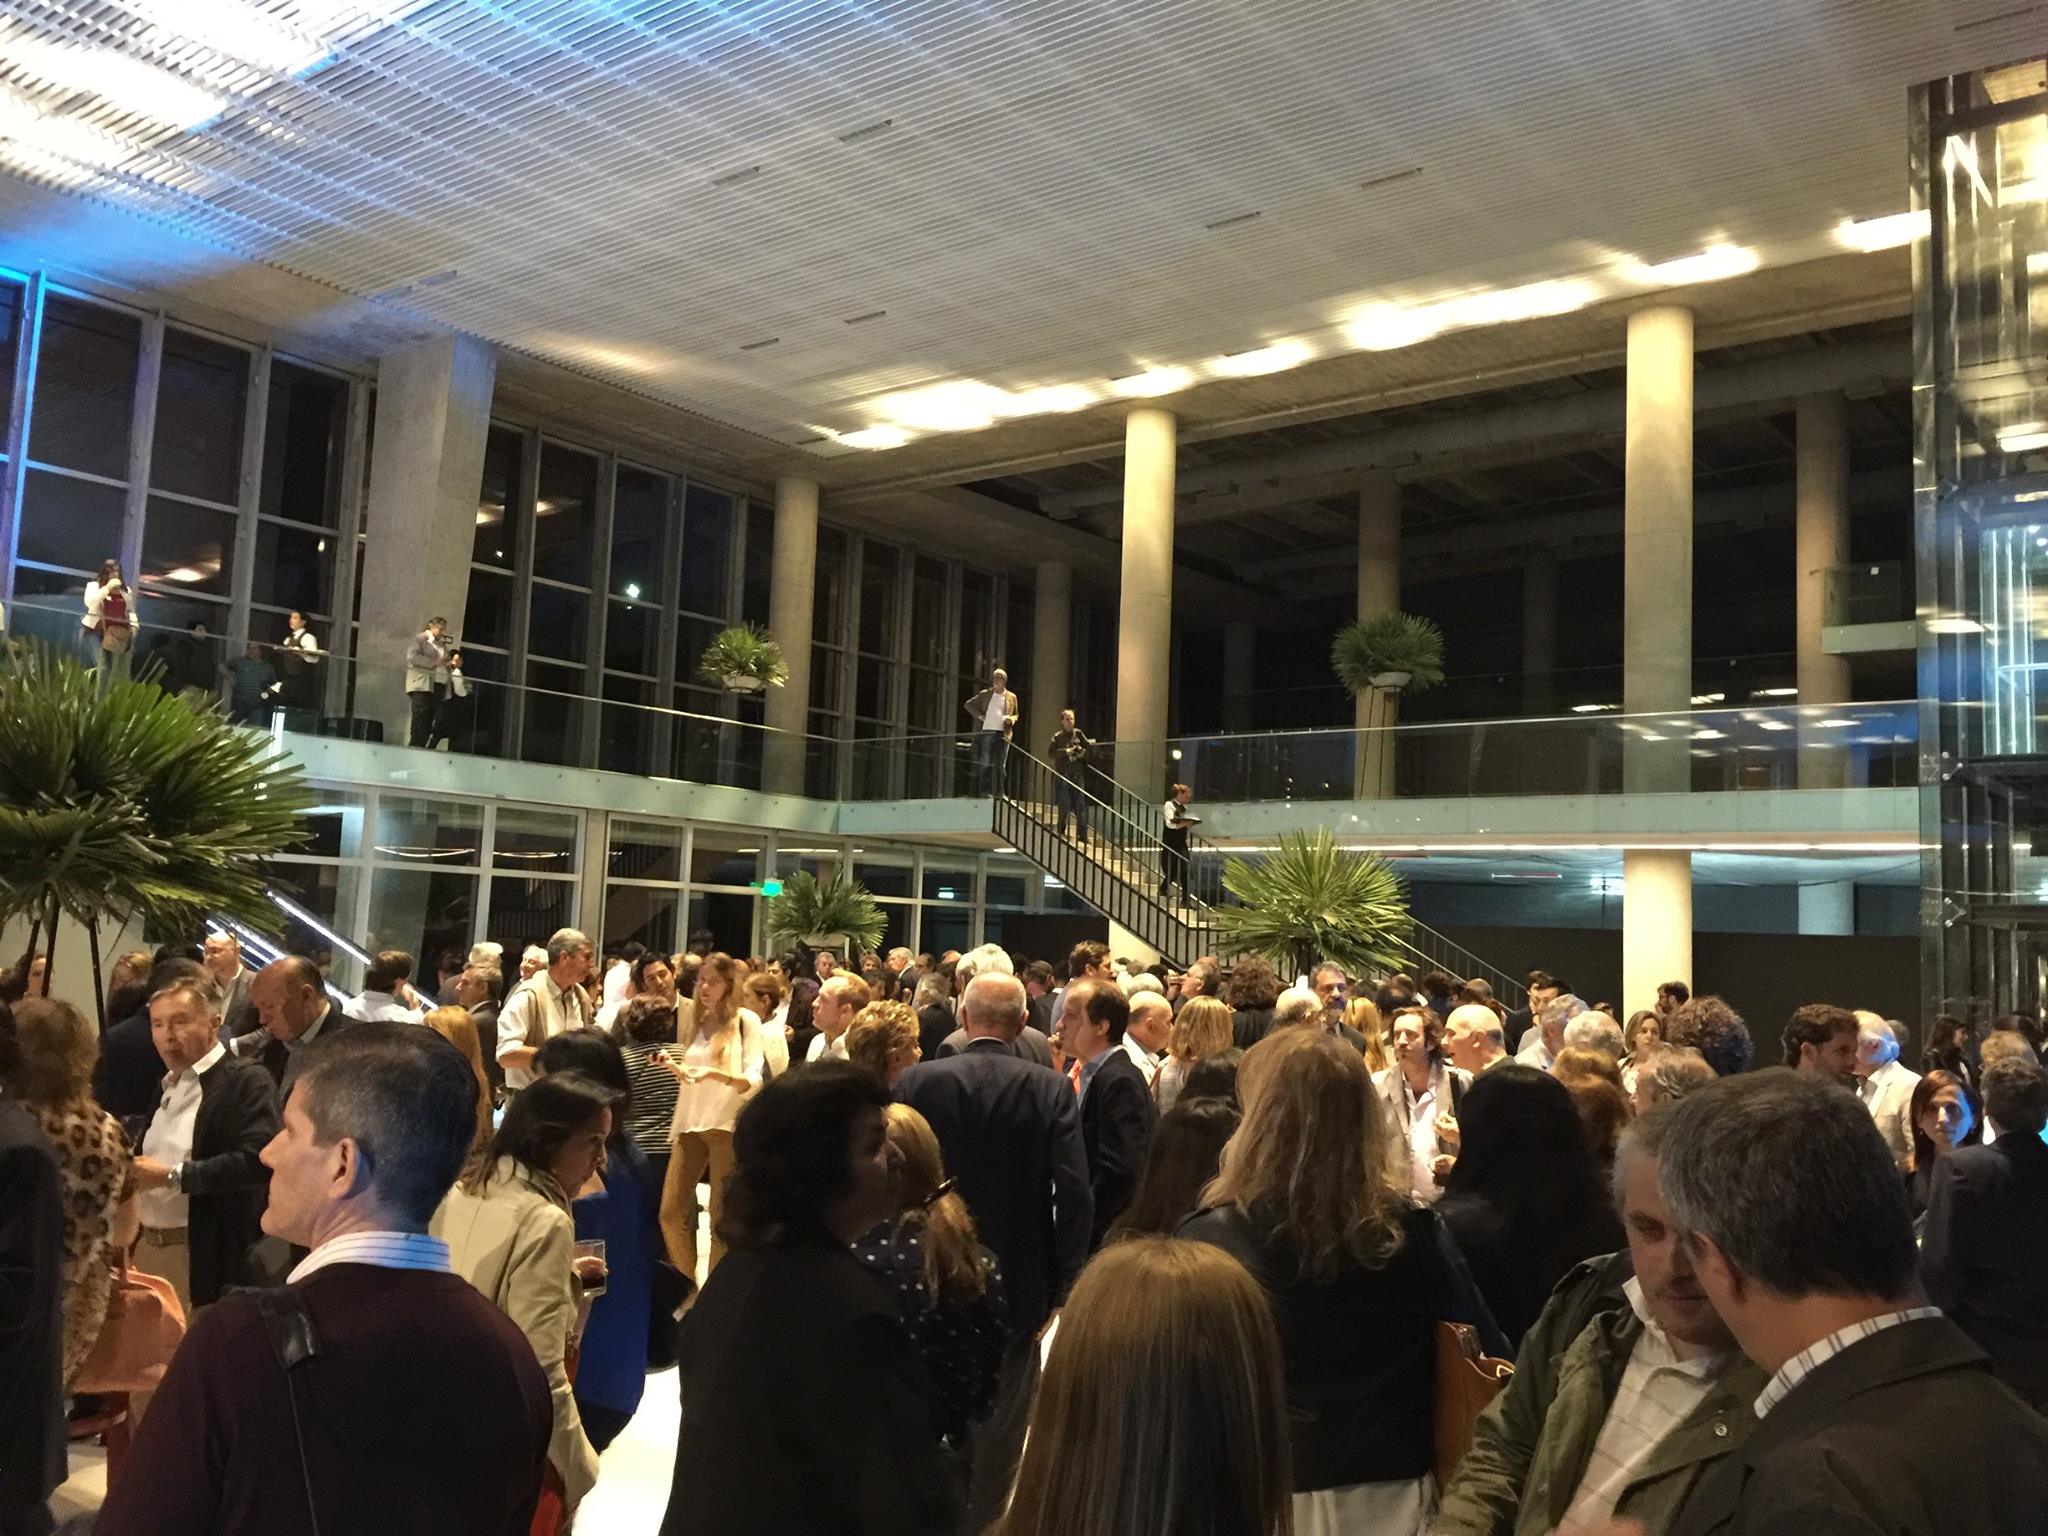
(54, 1083)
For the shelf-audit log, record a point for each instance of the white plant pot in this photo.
(739, 684)
(1390, 679)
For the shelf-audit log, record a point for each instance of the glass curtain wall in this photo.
(1980, 174)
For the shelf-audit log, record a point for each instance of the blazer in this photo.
(274, 1056)
(424, 657)
(1888, 1095)
(1011, 1136)
(977, 707)
(1031, 1045)
(226, 1186)
(824, 1428)
(1117, 1116)
(1905, 1433)
(130, 1076)
(1984, 1255)
(516, 1242)
(237, 1013)
(32, 1433)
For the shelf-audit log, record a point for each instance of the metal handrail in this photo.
(1448, 954)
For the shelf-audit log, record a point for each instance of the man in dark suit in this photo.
(1011, 1136)
(31, 1312)
(291, 1000)
(224, 964)
(197, 1169)
(1039, 984)
(1984, 1253)
(1880, 1415)
(1117, 1112)
(130, 1074)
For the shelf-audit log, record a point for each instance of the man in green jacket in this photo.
(1627, 1392)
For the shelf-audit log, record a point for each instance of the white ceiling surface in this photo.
(1036, 210)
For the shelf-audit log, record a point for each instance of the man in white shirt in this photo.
(1885, 1085)
(1630, 1388)
(1547, 1039)
(544, 1005)
(994, 711)
(1145, 1034)
(841, 997)
(386, 998)
(1416, 1091)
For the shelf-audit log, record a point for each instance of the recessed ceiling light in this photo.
(881, 435)
(1777, 693)
(1955, 624)
(1712, 265)
(1883, 233)
(1384, 327)
(1531, 301)
(1153, 382)
(1277, 358)
(958, 405)
(1052, 399)
(126, 84)
(2023, 438)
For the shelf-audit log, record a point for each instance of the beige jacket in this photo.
(516, 1243)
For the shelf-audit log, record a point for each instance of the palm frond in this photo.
(1389, 642)
(1310, 900)
(840, 905)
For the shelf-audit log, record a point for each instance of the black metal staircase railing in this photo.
(1107, 846)
(1443, 953)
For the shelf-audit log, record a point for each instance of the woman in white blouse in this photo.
(718, 1058)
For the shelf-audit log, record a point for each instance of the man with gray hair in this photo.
(1885, 1084)
(1593, 1031)
(1628, 1390)
(1145, 1034)
(1297, 1005)
(1547, 1039)
(1880, 1414)
(1668, 1073)
(982, 960)
(544, 1005)
(993, 960)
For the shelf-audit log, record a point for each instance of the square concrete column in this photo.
(1379, 591)
(1821, 503)
(1144, 629)
(792, 590)
(1052, 618)
(1656, 646)
(426, 473)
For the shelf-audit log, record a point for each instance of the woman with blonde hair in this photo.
(458, 1027)
(719, 1060)
(947, 1286)
(1363, 1015)
(1162, 1407)
(1310, 1202)
(883, 1038)
(1201, 1028)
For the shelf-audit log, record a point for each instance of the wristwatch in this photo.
(174, 1181)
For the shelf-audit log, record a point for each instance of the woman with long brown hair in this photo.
(1363, 1015)
(718, 1060)
(1163, 1406)
(1944, 1111)
(947, 1286)
(458, 1027)
(1201, 1028)
(1309, 1200)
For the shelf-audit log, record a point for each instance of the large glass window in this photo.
(565, 516)
(187, 548)
(199, 405)
(304, 437)
(758, 574)
(707, 551)
(11, 296)
(639, 533)
(497, 508)
(85, 387)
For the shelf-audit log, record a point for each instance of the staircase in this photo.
(1115, 865)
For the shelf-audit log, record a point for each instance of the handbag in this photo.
(145, 1324)
(1467, 1379)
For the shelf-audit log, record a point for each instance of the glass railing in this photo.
(1777, 747)
(1850, 746)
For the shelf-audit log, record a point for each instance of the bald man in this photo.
(1474, 1039)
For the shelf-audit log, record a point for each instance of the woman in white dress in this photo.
(719, 1057)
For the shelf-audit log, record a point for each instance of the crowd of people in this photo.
(998, 1245)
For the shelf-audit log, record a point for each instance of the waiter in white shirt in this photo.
(1179, 822)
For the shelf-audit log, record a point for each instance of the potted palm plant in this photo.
(119, 801)
(743, 659)
(838, 912)
(1309, 901)
(1403, 652)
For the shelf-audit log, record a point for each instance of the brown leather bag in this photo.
(1467, 1379)
(145, 1324)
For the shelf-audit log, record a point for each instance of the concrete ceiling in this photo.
(756, 221)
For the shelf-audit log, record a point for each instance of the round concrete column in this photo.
(1822, 540)
(1379, 591)
(1144, 630)
(792, 588)
(1656, 634)
(1656, 925)
(1052, 612)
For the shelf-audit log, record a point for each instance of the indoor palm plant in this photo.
(1310, 900)
(744, 659)
(822, 913)
(119, 801)
(1401, 651)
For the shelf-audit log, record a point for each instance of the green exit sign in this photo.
(771, 887)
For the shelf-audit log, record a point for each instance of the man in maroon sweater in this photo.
(420, 1407)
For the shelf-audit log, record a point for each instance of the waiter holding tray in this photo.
(1173, 867)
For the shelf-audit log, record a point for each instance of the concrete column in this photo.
(1379, 591)
(1539, 632)
(1144, 631)
(1656, 913)
(426, 472)
(792, 588)
(1656, 925)
(1828, 908)
(1822, 543)
(1240, 668)
(1052, 634)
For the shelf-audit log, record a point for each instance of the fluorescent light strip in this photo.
(293, 909)
(1519, 848)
